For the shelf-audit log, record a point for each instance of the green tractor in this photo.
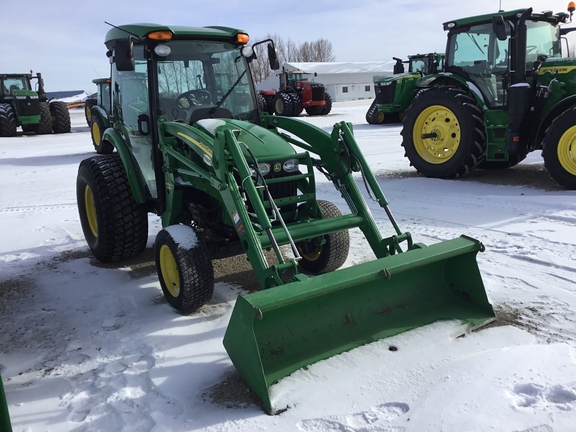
(22, 106)
(193, 147)
(505, 91)
(395, 93)
(97, 110)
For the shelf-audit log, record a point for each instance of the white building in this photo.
(344, 81)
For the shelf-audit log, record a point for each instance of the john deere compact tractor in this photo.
(395, 93)
(97, 110)
(20, 105)
(192, 146)
(505, 91)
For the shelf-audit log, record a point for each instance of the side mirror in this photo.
(124, 55)
(498, 27)
(273, 57)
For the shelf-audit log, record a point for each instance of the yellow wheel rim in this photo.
(90, 211)
(169, 271)
(312, 255)
(380, 117)
(567, 150)
(96, 135)
(436, 134)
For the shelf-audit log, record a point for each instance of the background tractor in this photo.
(505, 91)
(193, 148)
(22, 106)
(395, 93)
(97, 109)
(296, 93)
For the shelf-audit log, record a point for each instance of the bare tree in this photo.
(289, 51)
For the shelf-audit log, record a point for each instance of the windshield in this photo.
(201, 74)
(9, 84)
(419, 64)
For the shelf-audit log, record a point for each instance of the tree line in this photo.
(319, 50)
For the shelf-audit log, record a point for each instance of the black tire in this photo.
(269, 104)
(559, 151)
(8, 124)
(60, 117)
(88, 109)
(184, 268)
(114, 225)
(45, 125)
(373, 116)
(458, 123)
(333, 253)
(96, 130)
(296, 104)
(328, 106)
(314, 110)
(283, 104)
(261, 102)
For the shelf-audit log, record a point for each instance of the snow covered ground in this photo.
(92, 347)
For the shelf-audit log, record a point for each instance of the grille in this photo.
(318, 92)
(27, 107)
(385, 94)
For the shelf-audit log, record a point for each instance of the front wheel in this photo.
(184, 268)
(8, 123)
(560, 149)
(97, 129)
(443, 133)
(114, 224)
(330, 255)
(328, 106)
(373, 116)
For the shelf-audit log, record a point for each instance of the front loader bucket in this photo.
(274, 332)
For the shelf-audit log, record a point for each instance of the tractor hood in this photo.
(263, 143)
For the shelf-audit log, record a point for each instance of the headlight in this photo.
(291, 165)
(263, 168)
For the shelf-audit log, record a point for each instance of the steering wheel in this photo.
(530, 48)
(192, 98)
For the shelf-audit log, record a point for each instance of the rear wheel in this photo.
(114, 225)
(318, 259)
(88, 109)
(60, 117)
(184, 268)
(283, 104)
(97, 129)
(443, 133)
(560, 149)
(8, 123)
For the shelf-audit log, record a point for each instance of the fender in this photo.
(102, 114)
(134, 177)
(452, 80)
(554, 112)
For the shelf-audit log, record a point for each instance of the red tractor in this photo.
(296, 94)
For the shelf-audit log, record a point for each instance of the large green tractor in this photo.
(192, 146)
(97, 110)
(395, 93)
(505, 91)
(20, 105)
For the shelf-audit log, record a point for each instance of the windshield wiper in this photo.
(223, 98)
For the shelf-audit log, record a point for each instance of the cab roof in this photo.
(507, 15)
(142, 29)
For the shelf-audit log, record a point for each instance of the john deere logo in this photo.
(277, 167)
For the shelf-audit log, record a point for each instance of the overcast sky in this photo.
(64, 39)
